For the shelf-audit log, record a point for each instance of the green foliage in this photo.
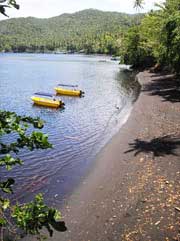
(89, 31)
(8, 161)
(157, 39)
(10, 122)
(6, 185)
(33, 216)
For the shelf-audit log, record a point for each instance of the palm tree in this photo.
(138, 4)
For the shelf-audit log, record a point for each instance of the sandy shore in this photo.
(133, 190)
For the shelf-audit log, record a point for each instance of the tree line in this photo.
(156, 40)
(18, 220)
(88, 31)
(140, 40)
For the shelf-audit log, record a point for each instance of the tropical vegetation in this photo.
(140, 40)
(30, 217)
(27, 218)
(87, 31)
(156, 40)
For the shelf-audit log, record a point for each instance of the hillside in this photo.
(89, 30)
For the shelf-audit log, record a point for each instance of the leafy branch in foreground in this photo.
(7, 4)
(33, 216)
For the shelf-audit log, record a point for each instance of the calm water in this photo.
(79, 131)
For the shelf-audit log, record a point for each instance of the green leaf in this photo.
(39, 212)
(57, 215)
(5, 204)
(2, 222)
(8, 161)
(6, 185)
(30, 217)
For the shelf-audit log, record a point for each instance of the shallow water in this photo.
(79, 131)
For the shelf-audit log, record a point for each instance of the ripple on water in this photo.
(79, 131)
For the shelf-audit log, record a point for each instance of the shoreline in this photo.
(132, 191)
(60, 53)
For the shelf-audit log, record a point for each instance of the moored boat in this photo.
(71, 92)
(47, 100)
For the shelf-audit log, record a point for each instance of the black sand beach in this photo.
(133, 190)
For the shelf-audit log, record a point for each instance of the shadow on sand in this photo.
(160, 146)
(167, 87)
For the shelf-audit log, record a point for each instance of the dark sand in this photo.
(133, 191)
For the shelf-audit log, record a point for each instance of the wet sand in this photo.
(133, 190)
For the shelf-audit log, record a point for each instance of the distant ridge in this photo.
(73, 32)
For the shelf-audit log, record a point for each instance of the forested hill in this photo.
(91, 30)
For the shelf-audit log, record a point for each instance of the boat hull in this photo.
(46, 102)
(62, 91)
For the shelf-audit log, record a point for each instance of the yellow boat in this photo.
(70, 92)
(39, 99)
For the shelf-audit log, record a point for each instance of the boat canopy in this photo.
(67, 85)
(44, 94)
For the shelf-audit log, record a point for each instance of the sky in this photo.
(51, 8)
